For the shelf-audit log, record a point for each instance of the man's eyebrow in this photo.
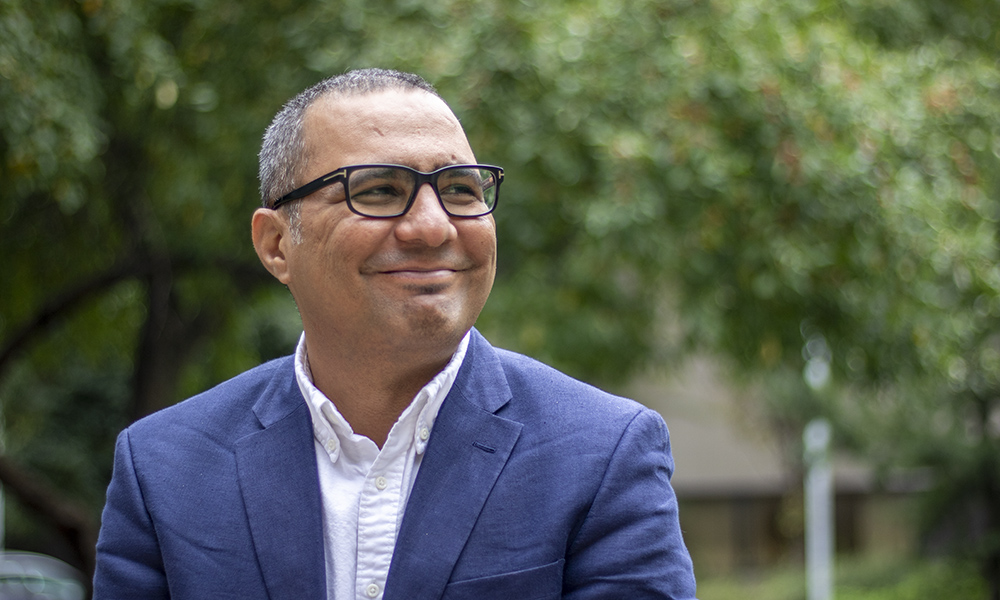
(434, 167)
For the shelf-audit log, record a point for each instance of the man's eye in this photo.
(458, 191)
(461, 189)
(377, 193)
(374, 191)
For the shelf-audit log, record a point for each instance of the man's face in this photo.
(417, 281)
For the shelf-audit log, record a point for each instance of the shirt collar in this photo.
(416, 422)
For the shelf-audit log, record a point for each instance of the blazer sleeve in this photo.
(129, 563)
(630, 543)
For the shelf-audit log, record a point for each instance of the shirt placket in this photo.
(377, 518)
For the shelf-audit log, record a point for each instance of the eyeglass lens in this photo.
(385, 191)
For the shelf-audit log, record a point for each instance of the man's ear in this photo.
(270, 237)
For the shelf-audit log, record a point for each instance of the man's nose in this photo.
(426, 221)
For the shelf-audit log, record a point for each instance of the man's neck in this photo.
(372, 389)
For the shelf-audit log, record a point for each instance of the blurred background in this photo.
(744, 213)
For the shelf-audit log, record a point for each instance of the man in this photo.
(397, 455)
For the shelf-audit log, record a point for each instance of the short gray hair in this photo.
(281, 153)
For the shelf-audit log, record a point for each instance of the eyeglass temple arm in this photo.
(309, 188)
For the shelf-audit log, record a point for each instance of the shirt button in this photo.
(331, 445)
(424, 434)
(380, 483)
(372, 590)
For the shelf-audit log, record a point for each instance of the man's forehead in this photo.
(411, 127)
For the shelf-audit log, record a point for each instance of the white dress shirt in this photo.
(364, 490)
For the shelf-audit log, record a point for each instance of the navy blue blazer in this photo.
(533, 486)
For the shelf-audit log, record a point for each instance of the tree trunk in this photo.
(168, 337)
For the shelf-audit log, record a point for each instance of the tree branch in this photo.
(63, 304)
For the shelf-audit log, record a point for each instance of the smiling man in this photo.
(396, 454)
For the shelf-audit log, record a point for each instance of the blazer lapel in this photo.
(468, 448)
(278, 478)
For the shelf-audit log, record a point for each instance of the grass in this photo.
(856, 579)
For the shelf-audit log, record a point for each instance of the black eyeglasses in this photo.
(386, 191)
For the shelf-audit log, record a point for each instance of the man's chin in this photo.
(429, 324)
(433, 323)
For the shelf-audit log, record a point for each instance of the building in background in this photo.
(740, 485)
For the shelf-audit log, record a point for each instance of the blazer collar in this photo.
(281, 396)
(276, 469)
(469, 447)
(481, 380)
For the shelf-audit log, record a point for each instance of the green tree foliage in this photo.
(796, 186)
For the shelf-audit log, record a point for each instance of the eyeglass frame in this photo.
(343, 175)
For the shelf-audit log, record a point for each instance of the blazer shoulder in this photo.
(225, 409)
(541, 389)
